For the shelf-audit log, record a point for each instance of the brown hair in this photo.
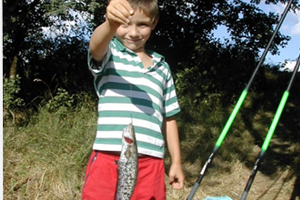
(148, 7)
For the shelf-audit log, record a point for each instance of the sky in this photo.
(290, 27)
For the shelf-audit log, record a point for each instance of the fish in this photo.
(127, 165)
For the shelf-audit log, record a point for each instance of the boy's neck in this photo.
(145, 58)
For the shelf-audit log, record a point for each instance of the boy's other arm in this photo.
(117, 12)
(176, 176)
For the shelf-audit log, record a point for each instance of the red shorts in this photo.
(101, 178)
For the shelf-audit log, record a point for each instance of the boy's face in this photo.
(135, 35)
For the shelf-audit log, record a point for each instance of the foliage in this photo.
(11, 88)
(12, 102)
(22, 29)
(182, 23)
(62, 100)
(215, 68)
(27, 26)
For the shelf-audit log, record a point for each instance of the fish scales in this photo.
(127, 165)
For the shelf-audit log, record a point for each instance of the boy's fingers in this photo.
(119, 11)
(177, 184)
(127, 6)
(111, 16)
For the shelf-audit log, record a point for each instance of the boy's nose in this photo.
(133, 31)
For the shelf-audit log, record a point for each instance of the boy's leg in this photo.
(101, 177)
(151, 180)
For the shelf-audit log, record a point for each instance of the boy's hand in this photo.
(119, 12)
(176, 176)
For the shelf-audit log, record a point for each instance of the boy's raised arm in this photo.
(117, 12)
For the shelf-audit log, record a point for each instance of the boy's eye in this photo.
(144, 25)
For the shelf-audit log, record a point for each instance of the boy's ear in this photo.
(154, 23)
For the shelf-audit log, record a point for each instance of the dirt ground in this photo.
(280, 186)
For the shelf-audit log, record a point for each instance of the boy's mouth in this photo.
(132, 40)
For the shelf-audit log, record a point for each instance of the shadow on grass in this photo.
(283, 150)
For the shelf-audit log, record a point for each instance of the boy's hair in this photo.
(148, 7)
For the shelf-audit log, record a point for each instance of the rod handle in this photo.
(244, 195)
(192, 193)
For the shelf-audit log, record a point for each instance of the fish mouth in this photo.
(128, 140)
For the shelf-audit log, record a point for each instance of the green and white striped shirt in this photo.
(130, 93)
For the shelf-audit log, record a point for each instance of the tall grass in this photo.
(46, 159)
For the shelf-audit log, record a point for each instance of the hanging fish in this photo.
(127, 165)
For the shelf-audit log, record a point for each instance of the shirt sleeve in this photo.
(97, 68)
(171, 105)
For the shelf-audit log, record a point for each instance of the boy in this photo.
(133, 85)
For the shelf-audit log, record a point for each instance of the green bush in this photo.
(61, 102)
(11, 88)
(12, 103)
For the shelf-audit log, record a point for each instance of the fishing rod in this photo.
(270, 132)
(236, 108)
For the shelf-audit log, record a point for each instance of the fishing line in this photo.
(270, 132)
(237, 107)
(131, 102)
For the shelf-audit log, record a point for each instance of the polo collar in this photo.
(119, 45)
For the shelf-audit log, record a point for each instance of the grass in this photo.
(46, 158)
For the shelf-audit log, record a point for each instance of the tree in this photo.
(38, 45)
